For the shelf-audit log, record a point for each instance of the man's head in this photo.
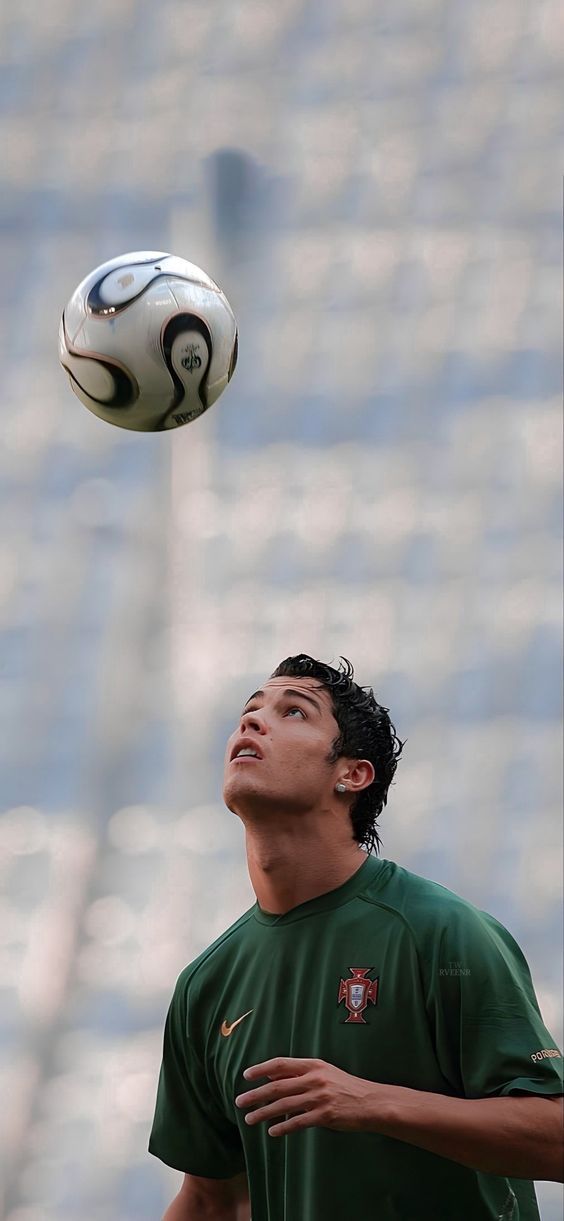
(329, 731)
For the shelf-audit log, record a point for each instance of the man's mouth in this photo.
(245, 749)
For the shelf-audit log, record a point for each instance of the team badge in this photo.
(356, 992)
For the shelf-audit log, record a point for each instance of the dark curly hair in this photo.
(366, 732)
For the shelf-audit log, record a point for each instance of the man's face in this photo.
(291, 724)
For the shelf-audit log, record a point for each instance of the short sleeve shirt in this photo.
(390, 977)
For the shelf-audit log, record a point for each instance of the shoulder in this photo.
(433, 912)
(212, 957)
(408, 892)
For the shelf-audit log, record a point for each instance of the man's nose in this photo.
(252, 719)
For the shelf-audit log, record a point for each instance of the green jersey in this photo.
(390, 977)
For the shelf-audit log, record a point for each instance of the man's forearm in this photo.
(519, 1137)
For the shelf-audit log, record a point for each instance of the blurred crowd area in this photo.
(375, 187)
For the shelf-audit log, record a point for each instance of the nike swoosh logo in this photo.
(226, 1028)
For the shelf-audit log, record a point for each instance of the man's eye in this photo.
(296, 709)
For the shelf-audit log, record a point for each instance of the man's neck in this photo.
(285, 875)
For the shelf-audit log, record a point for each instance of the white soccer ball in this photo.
(149, 341)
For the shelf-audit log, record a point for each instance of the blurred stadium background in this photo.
(374, 186)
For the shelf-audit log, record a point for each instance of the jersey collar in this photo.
(363, 877)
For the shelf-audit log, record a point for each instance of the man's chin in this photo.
(238, 796)
(246, 799)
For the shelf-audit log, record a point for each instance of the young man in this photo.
(399, 1067)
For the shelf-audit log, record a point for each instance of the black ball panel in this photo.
(96, 305)
(174, 327)
(123, 389)
(234, 355)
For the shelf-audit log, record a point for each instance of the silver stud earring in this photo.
(341, 788)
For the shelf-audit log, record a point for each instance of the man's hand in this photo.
(513, 1137)
(311, 1092)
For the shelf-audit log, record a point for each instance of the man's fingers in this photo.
(270, 1092)
(275, 1110)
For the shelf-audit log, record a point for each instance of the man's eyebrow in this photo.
(288, 691)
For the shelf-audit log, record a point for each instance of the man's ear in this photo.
(359, 775)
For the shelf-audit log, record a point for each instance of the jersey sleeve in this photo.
(190, 1132)
(488, 1031)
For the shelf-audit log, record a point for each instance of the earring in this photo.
(341, 788)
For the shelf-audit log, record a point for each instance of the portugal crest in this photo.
(356, 992)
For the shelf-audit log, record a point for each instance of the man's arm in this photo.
(202, 1199)
(516, 1137)
(519, 1136)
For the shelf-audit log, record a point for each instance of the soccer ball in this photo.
(149, 341)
